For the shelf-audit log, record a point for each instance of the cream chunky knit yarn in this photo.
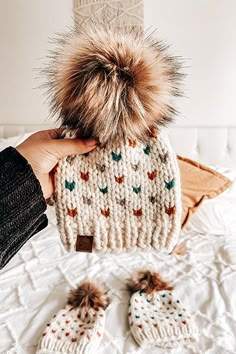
(125, 196)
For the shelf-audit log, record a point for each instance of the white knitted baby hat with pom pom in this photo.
(125, 196)
(156, 316)
(78, 327)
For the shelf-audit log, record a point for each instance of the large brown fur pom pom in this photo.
(112, 84)
(88, 295)
(148, 281)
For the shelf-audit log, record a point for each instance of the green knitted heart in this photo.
(147, 150)
(170, 185)
(70, 185)
(103, 190)
(116, 157)
(137, 189)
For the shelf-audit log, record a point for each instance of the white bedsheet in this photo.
(34, 285)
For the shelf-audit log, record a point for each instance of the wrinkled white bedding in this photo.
(33, 286)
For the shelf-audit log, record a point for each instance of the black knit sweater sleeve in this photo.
(22, 204)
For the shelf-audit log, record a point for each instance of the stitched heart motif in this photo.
(152, 175)
(120, 179)
(164, 157)
(138, 212)
(70, 185)
(132, 143)
(84, 176)
(87, 201)
(152, 199)
(170, 185)
(147, 150)
(137, 189)
(116, 157)
(103, 190)
(100, 168)
(105, 213)
(72, 212)
(121, 201)
(170, 211)
(135, 167)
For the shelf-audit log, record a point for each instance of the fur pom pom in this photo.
(148, 281)
(88, 295)
(112, 84)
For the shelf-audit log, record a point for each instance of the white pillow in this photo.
(217, 215)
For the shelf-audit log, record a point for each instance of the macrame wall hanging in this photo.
(128, 12)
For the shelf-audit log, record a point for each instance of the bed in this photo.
(33, 286)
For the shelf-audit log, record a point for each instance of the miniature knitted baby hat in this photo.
(156, 316)
(118, 87)
(78, 327)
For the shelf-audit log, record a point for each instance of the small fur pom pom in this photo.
(148, 281)
(88, 294)
(112, 84)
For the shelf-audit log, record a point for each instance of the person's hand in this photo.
(43, 150)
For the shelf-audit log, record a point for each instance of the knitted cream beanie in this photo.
(121, 197)
(117, 86)
(156, 316)
(78, 327)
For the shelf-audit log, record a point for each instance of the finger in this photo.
(54, 133)
(67, 147)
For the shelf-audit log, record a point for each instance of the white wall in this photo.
(25, 29)
(203, 31)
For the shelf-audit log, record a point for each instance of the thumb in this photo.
(65, 147)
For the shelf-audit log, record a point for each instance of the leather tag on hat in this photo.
(84, 244)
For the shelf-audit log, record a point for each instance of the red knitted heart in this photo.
(132, 143)
(152, 175)
(72, 212)
(84, 176)
(170, 211)
(105, 213)
(138, 212)
(120, 179)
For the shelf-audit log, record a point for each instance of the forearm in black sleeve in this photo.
(22, 204)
